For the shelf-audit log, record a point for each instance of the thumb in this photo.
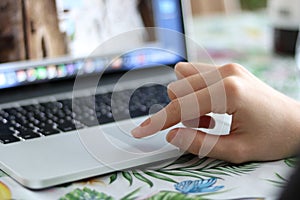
(223, 147)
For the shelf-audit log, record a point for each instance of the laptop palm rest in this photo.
(89, 152)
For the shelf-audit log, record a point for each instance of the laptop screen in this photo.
(42, 41)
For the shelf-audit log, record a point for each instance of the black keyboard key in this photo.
(105, 120)
(10, 111)
(28, 134)
(46, 128)
(48, 131)
(3, 114)
(66, 103)
(88, 120)
(137, 113)
(5, 130)
(60, 114)
(6, 139)
(52, 105)
(34, 108)
(68, 125)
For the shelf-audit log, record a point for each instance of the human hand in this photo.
(265, 123)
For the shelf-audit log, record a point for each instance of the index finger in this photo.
(184, 108)
(185, 69)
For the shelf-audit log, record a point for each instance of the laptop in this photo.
(76, 77)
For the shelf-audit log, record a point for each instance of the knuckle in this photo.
(174, 107)
(234, 87)
(171, 92)
(232, 69)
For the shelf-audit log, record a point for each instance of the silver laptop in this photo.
(76, 77)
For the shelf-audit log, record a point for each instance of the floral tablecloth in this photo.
(189, 177)
(244, 39)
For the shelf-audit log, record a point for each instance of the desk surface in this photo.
(191, 177)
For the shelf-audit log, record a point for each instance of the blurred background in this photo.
(261, 35)
(215, 6)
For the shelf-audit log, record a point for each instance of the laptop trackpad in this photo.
(112, 142)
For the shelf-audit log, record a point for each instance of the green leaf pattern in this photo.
(142, 178)
(280, 181)
(188, 166)
(127, 175)
(113, 177)
(86, 194)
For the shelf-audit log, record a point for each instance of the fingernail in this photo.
(137, 132)
(171, 135)
(145, 123)
(182, 63)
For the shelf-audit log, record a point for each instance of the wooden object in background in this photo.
(204, 7)
(29, 29)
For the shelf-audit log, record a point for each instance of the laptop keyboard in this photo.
(48, 118)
